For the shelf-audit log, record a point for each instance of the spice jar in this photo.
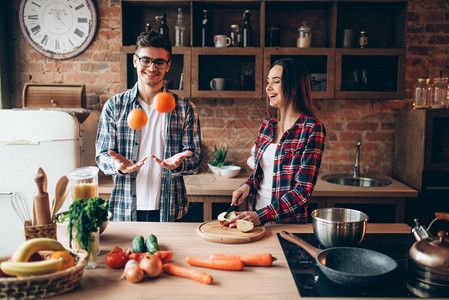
(304, 36)
(421, 93)
(363, 40)
(236, 35)
(439, 93)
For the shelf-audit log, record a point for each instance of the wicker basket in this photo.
(42, 286)
(39, 231)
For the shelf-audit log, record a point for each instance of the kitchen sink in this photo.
(361, 181)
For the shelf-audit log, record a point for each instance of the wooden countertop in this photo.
(212, 185)
(275, 282)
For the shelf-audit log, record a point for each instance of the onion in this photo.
(151, 265)
(129, 264)
(134, 274)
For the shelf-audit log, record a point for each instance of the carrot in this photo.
(187, 273)
(219, 264)
(259, 259)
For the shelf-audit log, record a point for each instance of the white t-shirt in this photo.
(152, 141)
(266, 184)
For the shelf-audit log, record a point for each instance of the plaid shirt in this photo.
(183, 133)
(296, 164)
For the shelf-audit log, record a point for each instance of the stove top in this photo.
(311, 282)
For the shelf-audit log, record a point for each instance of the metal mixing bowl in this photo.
(339, 227)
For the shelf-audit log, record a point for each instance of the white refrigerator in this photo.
(57, 140)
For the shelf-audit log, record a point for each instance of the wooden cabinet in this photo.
(369, 73)
(422, 149)
(240, 67)
(376, 71)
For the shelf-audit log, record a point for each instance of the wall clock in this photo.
(58, 29)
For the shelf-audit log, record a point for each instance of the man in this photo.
(148, 190)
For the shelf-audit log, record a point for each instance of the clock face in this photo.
(58, 28)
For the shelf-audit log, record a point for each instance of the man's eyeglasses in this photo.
(158, 62)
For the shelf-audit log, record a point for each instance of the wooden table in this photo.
(275, 282)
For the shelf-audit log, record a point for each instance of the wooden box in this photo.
(53, 96)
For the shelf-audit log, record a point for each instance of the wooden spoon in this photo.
(60, 195)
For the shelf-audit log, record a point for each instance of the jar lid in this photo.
(304, 26)
(83, 173)
(235, 26)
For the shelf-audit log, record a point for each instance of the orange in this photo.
(164, 102)
(67, 259)
(137, 119)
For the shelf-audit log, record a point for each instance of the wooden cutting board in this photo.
(213, 231)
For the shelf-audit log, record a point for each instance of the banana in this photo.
(31, 268)
(28, 248)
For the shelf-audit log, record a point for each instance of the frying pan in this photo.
(348, 265)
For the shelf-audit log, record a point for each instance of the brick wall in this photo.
(234, 122)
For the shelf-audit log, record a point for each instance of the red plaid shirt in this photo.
(296, 164)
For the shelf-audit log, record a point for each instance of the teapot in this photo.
(428, 259)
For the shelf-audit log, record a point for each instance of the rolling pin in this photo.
(40, 201)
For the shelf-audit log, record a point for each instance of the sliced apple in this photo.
(245, 226)
(225, 219)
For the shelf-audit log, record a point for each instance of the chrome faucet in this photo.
(356, 172)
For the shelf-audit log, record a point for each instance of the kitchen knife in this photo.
(231, 208)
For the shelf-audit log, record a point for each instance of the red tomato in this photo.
(127, 252)
(138, 256)
(116, 249)
(164, 256)
(116, 259)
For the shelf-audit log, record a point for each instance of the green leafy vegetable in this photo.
(85, 217)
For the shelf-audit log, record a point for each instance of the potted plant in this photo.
(220, 166)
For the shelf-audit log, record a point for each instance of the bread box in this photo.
(53, 96)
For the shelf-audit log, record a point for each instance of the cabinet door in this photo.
(177, 78)
(238, 69)
(319, 62)
(370, 73)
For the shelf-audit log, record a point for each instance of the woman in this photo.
(289, 148)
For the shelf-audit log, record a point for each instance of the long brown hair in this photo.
(296, 87)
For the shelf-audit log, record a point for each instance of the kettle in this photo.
(428, 259)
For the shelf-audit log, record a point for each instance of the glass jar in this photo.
(421, 93)
(84, 183)
(304, 36)
(363, 40)
(439, 93)
(93, 249)
(236, 35)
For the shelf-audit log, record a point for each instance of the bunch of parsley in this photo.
(86, 216)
